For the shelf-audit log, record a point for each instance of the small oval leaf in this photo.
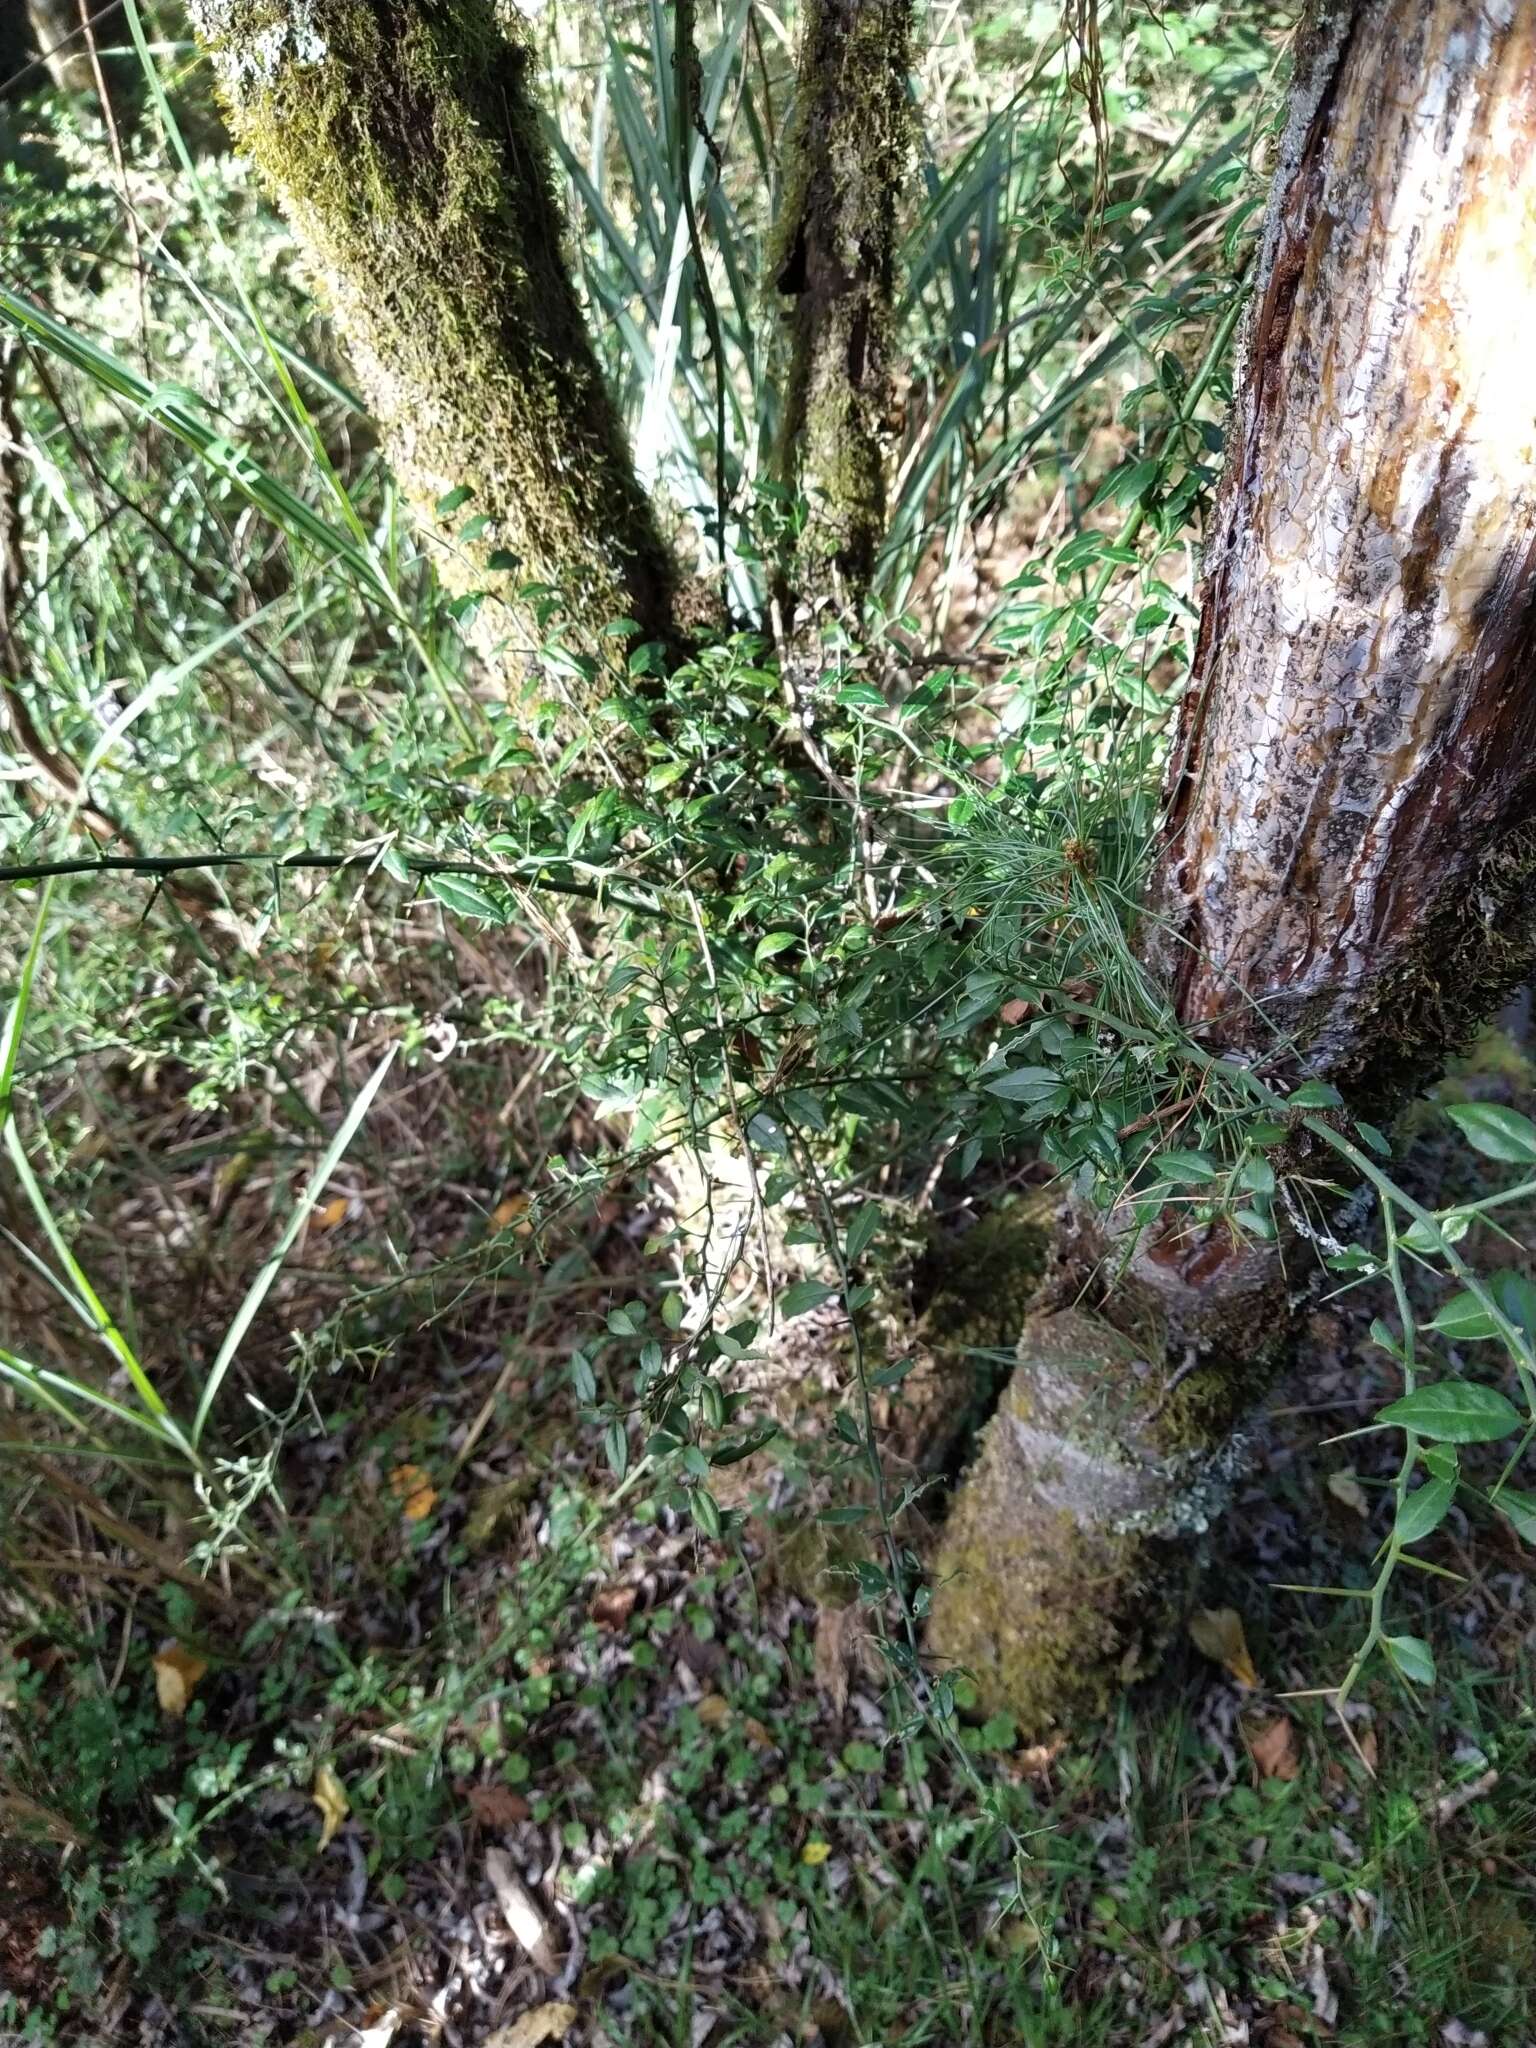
(1423, 1512)
(1496, 1132)
(1455, 1411)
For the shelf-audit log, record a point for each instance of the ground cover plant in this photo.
(741, 802)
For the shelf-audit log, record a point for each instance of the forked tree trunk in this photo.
(1343, 887)
(846, 162)
(402, 140)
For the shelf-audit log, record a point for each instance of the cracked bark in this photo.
(1342, 886)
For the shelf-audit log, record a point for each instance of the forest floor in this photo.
(474, 1745)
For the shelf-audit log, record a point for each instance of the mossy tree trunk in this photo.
(1343, 885)
(846, 162)
(402, 140)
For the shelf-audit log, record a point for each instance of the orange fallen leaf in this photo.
(1273, 1748)
(1015, 1010)
(1218, 1633)
(332, 1212)
(512, 1214)
(177, 1672)
(329, 1795)
(414, 1490)
(1035, 1761)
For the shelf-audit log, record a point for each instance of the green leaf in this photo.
(1423, 1511)
(861, 1231)
(583, 1378)
(1464, 1320)
(616, 1445)
(706, 1511)
(1450, 1227)
(803, 1296)
(767, 1134)
(1496, 1132)
(1519, 1509)
(1185, 1166)
(1413, 1658)
(774, 942)
(1314, 1095)
(1516, 1296)
(1023, 1083)
(741, 1447)
(1384, 1335)
(1455, 1411)
(466, 898)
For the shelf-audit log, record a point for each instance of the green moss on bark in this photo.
(403, 144)
(1074, 1543)
(847, 156)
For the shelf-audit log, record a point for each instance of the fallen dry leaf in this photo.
(414, 1490)
(379, 2026)
(1346, 1487)
(330, 1213)
(522, 1912)
(1272, 1745)
(328, 1794)
(713, 1710)
(512, 1214)
(833, 1652)
(544, 2023)
(613, 1605)
(1015, 1010)
(497, 1806)
(1035, 1761)
(177, 1672)
(1218, 1633)
(815, 1852)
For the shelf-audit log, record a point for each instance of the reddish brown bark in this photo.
(1343, 882)
(1345, 859)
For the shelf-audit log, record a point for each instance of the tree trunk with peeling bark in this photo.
(403, 143)
(847, 159)
(1343, 885)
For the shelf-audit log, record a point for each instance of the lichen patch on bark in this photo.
(1072, 1546)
